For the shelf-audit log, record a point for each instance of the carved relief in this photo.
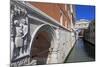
(19, 31)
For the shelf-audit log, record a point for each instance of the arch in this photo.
(43, 39)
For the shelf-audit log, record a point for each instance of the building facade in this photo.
(41, 33)
(63, 13)
(89, 34)
(89, 39)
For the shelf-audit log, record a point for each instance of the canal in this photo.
(79, 53)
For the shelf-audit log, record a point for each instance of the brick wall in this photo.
(56, 11)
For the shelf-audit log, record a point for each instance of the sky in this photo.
(85, 12)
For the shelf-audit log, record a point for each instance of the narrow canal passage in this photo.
(78, 53)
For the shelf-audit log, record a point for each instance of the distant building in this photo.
(81, 24)
(79, 27)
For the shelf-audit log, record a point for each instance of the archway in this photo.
(43, 41)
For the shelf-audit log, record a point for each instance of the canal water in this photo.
(79, 53)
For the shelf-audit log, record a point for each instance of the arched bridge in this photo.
(36, 38)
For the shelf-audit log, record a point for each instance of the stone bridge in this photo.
(44, 40)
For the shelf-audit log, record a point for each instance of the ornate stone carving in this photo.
(19, 31)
